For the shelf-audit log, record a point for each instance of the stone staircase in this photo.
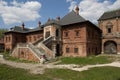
(43, 46)
(39, 48)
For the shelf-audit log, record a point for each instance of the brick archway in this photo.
(110, 47)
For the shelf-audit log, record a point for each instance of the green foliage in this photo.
(2, 32)
(101, 73)
(85, 60)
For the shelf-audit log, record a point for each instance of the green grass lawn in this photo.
(101, 73)
(86, 60)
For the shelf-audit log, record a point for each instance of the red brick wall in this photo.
(110, 36)
(88, 40)
(26, 54)
(115, 22)
(74, 41)
(11, 39)
(32, 37)
(94, 40)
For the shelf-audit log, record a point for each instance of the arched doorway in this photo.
(110, 47)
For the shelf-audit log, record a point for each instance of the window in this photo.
(66, 34)
(109, 30)
(47, 34)
(6, 39)
(9, 39)
(109, 27)
(38, 36)
(77, 33)
(16, 39)
(67, 50)
(34, 38)
(57, 33)
(30, 38)
(75, 50)
(89, 50)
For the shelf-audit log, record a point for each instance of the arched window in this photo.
(109, 27)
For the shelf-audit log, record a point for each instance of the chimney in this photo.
(48, 19)
(77, 9)
(39, 24)
(23, 26)
(58, 18)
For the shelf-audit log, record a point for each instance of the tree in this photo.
(2, 31)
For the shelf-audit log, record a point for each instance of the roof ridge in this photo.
(112, 10)
(72, 18)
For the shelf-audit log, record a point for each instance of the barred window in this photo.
(75, 50)
(67, 50)
(77, 33)
(66, 34)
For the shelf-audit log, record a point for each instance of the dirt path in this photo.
(39, 68)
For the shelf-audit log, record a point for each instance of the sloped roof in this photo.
(71, 18)
(25, 30)
(110, 14)
(19, 29)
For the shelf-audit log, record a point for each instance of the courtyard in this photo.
(90, 68)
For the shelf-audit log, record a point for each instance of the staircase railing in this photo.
(46, 41)
(42, 45)
(30, 46)
(36, 50)
(42, 49)
(36, 42)
(49, 53)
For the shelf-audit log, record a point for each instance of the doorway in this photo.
(110, 47)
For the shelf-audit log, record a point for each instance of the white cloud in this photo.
(15, 12)
(72, 4)
(93, 9)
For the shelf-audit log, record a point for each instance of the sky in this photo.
(15, 12)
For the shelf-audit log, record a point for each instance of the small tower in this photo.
(23, 26)
(77, 9)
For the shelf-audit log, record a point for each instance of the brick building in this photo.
(71, 35)
(1, 44)
(79, 36)
(109, 23)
